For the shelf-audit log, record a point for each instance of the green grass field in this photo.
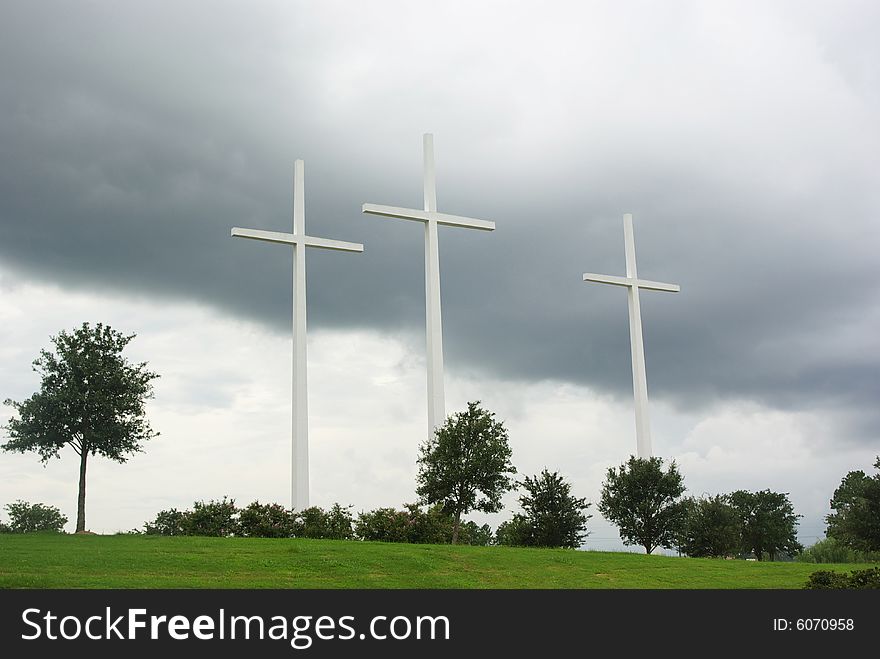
(67, 561)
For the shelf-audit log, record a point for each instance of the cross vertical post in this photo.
(299, 457)
(433, 319)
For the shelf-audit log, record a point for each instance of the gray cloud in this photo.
(745, 143)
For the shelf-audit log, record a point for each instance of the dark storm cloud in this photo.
(134, 138)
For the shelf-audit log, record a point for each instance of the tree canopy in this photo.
(769, 523)
(465, 465)
(644, 502)
(91, 398)
(27, 517)
(552, 516)
(855, 521)
(711, 527)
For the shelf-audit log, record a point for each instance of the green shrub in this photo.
(214, 518)
(383, 525)
(27, 517)
(864, 579)
(168, 522)
(432, 526)
(266, 521)
(831, 550)
(340, 523)
(417, 526)
(826, 579)
(311, 523)
(856, 580)
(257, 520)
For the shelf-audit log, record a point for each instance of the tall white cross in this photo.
(434, 326)
(299, 485)
(633, 284)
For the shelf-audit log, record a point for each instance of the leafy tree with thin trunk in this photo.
(644, 502)
(552, 516)
(91, 398)
(466, 465)
(769, 524)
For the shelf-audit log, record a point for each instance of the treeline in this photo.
(646, 501)
(466, 466)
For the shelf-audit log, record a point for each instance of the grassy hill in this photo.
(67, 561)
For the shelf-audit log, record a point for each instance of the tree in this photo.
(91, 399)
(769, 524)
(644, 502)
(855, 521)
(515, 532)
(711, 527)
(466, 465)
(25, 517)
(553, 517)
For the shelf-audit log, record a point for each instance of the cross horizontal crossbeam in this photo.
(630, 281)
(426, 216)
(294, 239)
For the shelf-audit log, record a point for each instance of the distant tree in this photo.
(91, 398)
(711, 527)
(769, 523)
(27, 517)
(479, 535)
(855, 521)
(515, 532)
(466, 465)
(644, 502)
(552, 516)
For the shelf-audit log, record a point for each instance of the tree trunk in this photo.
(455, 527)
(81, 502)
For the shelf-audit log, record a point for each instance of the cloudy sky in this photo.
(743, 137)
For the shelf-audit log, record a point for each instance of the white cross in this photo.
(633, 284)
(434, 326)
(300, 412)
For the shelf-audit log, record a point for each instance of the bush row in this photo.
(222, 518)
(856, 580)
